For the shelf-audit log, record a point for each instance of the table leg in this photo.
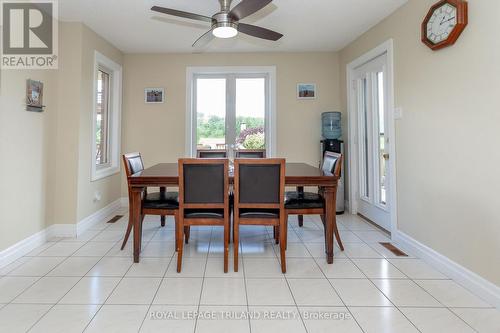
(135, 211)
(330, 220)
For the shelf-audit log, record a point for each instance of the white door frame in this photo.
(352, 162)
(269, 71)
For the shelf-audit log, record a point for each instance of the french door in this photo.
(230, 112)
(372, 138)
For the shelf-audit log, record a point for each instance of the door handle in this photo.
(385, 156)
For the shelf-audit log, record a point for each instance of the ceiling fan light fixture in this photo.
(225, 30)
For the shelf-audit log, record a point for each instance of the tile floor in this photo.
(88, 285)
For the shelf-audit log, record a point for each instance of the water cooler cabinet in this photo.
(336, 146)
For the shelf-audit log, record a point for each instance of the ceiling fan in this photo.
(226, 23)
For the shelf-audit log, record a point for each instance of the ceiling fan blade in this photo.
(248, 7)
(180, 13)
(204, 39)
(259, 32)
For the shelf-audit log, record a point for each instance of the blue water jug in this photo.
(331, 125)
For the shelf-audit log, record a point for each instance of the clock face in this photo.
(442, 23)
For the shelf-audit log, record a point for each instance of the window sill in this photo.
(100, 173)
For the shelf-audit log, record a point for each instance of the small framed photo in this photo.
(306, 91)
(34, 95)
(154, 95)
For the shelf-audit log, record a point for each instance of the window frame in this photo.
(103, 63)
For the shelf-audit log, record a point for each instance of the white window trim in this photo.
(113, 167)
(271, 128)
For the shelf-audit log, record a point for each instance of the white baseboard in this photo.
(98, 216)
(27, 245)
(23, 247)
(478, 285)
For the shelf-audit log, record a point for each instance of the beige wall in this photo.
(447, 154)
(25, 155)
(158, 131)
(45, 169)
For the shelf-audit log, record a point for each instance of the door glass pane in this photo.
(211, 113)
(102, 119)
(250, 114)
(382, 156)
(364, 141)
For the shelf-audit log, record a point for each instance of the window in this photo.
(106, 118)
(232, 109)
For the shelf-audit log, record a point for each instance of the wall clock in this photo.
(444, 23)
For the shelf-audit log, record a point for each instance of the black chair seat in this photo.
(259, 213)
(204, 213)
(157, 200)
(305, 200)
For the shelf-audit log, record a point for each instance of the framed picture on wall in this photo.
(306, 91)
(154, 95)
(34, 95)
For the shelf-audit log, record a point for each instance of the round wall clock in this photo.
(444, 23)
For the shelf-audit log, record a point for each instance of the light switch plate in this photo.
(398, 113)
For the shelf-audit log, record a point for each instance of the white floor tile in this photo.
(340, 269)
(215, 268)
(372, 236)
(417, 269)
(406, 293)
(40, 249)
(276, 319)
(158, 249)
(162, 318)
(268, 292)
(196, 249)
(116, 250)
(13, 265)
(222, 319)
(452, 294)
(66, 319)
(223, 291)
(149, 267)
(349, 237)
(111, 266)
(357, 292)
(262, 268)
(47, 290)
(191, 267)
(94, 249)
(314, 292)
(257, 249)
(83, 237)
(91, 290)
(61, 249)
(378, 269)
(118, 319)
(436, 320)
(74, 266)
(360, 250)
(311, 236)
(297, 250)
(109, 236)
(37, 266)
(182, 291)
(382, 319)
(18, 318)
(327, 320)
(302, 268)
(135, 291)
(12, 286)
(482, 320)
(317, 250)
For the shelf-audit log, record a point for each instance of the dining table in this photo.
(165, 175)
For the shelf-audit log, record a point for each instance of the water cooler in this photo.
(331, 131)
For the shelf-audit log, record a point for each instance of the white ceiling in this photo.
(308, 25)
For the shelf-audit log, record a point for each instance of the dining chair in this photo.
(211, 153)
(308, 203)
(250, 153)
(161, 203)
(259, 186)
(203, 199)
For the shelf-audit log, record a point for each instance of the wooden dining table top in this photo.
(300, 174)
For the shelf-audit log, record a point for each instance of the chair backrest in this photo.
(212, 153)
(203, 183)
(251, 153)
(259, 183)
(332, 164)
(133, 163)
